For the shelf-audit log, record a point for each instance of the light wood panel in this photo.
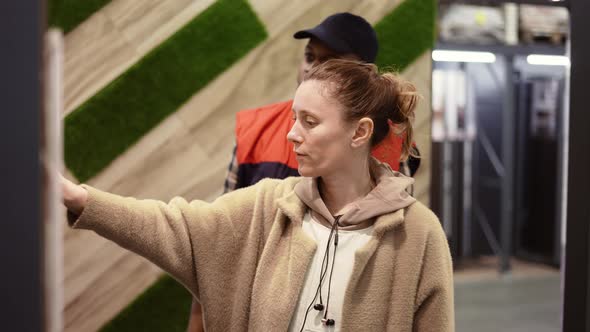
(115, 37)
(101, 278)
(100, 286)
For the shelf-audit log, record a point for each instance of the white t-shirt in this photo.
(348, 243)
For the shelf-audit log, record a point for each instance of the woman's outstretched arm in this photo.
(170, 234)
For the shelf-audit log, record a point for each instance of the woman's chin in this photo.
(307, 172)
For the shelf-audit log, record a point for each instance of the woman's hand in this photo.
(74, 196)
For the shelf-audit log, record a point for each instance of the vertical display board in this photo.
(53, 211)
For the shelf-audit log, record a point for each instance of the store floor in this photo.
(527, 299)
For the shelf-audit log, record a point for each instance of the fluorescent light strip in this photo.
(463, 56)
(548, 60)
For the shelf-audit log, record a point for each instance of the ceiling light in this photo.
(463, 56)
(548, 60)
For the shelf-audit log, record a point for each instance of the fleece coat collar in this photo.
(388, 195)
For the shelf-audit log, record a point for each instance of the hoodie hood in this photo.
(389, 195)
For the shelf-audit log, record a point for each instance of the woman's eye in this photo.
(309, 58)
(310, 121)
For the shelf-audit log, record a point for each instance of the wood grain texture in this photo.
(117, 36)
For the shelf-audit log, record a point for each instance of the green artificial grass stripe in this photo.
(165, 306)
(406, 33)
(120, 114)
(67, 14)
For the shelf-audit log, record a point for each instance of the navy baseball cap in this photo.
(345, 33)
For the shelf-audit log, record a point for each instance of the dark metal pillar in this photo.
(576, 310)
(21, 237)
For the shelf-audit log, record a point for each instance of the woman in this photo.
(342, 248)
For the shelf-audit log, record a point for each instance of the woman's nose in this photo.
(293, 136)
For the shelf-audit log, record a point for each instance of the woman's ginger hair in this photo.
(385, 98)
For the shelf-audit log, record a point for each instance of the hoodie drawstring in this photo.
(323, 271)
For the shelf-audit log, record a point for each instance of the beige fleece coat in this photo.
(245, 256)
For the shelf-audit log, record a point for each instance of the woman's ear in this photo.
(363, 132)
